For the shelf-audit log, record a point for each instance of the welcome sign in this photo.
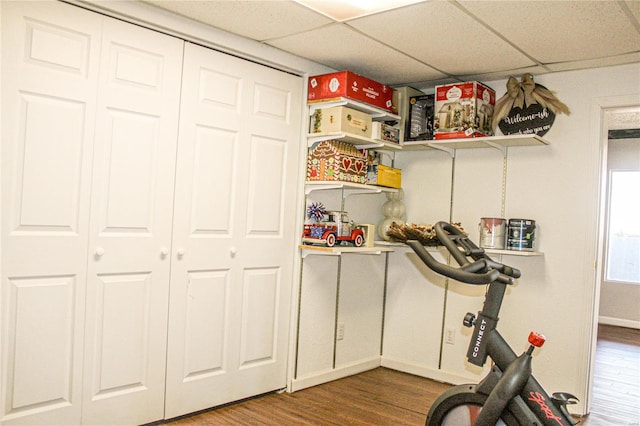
(527, 108)
(534, 119)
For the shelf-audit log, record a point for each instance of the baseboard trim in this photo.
(334, 374)
(426, 372)
(619, 322)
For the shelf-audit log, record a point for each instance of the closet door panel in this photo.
(50, 57)
(239, 139)
(213, 187)
(130, 229)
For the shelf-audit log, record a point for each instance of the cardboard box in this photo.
(401, 97)
(378, 174)
(463, 110)
(369, 233)
(341, 119)
(385, 132)
(420, 118)
(349, 85)
(335, 160)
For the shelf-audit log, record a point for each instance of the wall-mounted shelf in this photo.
(514, 252)
(498, 142)
(339, 250)
(487, 250)
(377, 114)
(448, 145)
(360, 142)
(348, 187)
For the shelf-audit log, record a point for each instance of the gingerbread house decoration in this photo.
(334, 160)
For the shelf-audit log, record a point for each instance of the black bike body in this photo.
(509, 393)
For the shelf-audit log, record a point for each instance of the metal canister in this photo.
(492, 232)
(521, 234)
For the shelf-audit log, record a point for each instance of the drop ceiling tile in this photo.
(535, 70)
(634, 8)
(443, 36)
(628, 58)
(258, 20)
(340, 47)
(623, 118)
(561, 31)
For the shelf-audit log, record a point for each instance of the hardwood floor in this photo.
(387, 397)
(376, 397)
(616, 387)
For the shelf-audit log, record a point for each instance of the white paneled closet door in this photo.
(234, 243)
(50, 56)
(130, 228)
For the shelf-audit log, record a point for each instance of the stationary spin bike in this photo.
(509, 394)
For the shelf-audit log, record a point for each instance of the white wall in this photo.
(556, 185)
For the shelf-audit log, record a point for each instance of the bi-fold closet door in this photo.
(90, 121)
(231, 282)
(110, 297)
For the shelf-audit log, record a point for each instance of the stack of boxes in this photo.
(460, 110)
(334, 160)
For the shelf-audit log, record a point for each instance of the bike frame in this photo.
(510, 385)
(533, 400)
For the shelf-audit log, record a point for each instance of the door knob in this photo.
(164, 251)
(180, 252)
(233, 251)
(99, 251)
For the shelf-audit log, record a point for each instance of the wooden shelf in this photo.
(378, 114)
(339, 250)
(348, 187)
(498, 142)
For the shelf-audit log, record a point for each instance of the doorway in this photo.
(619, 239)
(619, 121)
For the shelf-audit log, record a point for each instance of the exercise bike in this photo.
(509, 394)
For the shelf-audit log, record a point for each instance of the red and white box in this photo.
(463, 110)
(346, 84)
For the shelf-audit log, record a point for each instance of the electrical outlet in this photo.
(450, 336)
(340, 335)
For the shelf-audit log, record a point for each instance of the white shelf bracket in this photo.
(310, 188)
(451, 151)
(497, 146)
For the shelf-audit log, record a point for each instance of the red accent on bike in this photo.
(536, 339)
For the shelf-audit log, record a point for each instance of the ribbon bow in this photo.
(521, 91)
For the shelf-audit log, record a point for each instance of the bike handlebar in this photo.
(482, 271)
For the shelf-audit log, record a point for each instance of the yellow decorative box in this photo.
(378, 174)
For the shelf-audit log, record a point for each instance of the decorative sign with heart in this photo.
(346, 163)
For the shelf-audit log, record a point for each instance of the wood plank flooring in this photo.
(387, 397)
(616, 386)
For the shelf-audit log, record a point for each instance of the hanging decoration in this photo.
(527, 108)
(316, 211)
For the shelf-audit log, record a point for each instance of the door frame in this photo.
(600, 144)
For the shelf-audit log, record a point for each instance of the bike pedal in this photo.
(564, 398)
